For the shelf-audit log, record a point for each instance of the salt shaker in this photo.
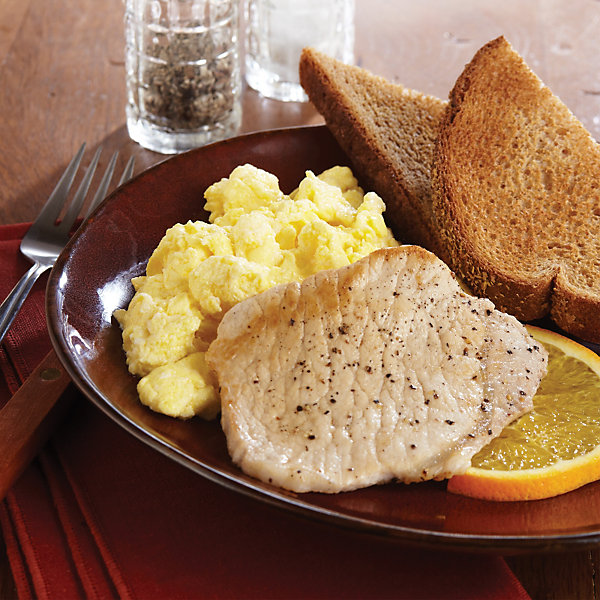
(183, 72)
(276, 32)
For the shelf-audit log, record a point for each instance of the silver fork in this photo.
(47, 236)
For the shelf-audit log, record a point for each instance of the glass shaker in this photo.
(183, 72)
(276, 32)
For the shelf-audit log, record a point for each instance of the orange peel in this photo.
(555, 448)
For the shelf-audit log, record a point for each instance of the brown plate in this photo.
(92, 278)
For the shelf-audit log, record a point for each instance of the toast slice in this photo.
(517, 194)
(388, 131)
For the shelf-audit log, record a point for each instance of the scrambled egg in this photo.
(257, 237)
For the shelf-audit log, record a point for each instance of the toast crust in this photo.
(515, 194)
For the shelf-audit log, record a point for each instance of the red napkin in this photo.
(101, 515)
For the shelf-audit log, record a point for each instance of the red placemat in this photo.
(102, 515)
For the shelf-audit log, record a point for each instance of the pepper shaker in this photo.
(182, 72)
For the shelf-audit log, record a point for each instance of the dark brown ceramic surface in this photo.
(92, 278)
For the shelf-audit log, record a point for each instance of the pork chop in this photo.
(381, 370)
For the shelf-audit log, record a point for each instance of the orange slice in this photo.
(556, 447)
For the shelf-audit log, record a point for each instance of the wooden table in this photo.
(62, 82)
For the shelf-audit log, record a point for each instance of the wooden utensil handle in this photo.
(29, 417)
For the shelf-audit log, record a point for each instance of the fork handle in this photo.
(13, 302)
(29, 417)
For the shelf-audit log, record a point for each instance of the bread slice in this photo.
(517, 196)
(388, 131)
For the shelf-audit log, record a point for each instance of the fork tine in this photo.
(57, 198)
(104, 183)
(126, 176)
(79, 197)
(128, 171)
